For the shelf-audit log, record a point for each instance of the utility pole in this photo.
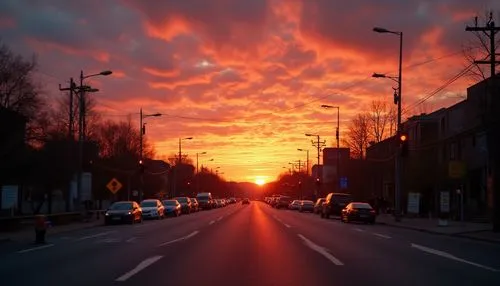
(492, 129)
(300, 164)
(319, 145)
(71, 137)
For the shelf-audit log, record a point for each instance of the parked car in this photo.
(172, 207)
(283, 202)
(185, 204)
(245, 201)
(152, 208)
(294, 205)
(195, 206)
(123, 211)
(358, 211)
(306, 206)
(319, 205)
(205, 201)
(335, 203)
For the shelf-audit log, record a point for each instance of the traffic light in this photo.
(141, 167)
(403, 144)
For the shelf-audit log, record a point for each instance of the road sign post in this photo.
(114, 186)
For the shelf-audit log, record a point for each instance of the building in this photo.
(448, 152)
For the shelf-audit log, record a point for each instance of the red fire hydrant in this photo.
(40, 228)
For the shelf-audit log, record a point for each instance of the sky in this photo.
(245, 78)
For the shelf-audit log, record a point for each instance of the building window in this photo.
(443, 126)
(453, 151)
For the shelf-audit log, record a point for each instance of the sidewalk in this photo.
(478, 231)
(28, 233)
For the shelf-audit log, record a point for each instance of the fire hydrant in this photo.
(40, 228)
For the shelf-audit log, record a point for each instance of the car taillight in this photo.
(372, 211)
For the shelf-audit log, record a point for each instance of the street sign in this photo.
(343, 183)
(114, 185)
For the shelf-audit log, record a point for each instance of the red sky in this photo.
(245, 78)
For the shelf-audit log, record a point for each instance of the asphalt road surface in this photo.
(250, 245)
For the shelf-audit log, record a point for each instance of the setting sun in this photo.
(260, 181)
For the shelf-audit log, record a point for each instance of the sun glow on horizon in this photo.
(260, 181)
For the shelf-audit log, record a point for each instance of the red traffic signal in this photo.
(403, 144)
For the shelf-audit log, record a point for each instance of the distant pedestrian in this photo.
(40, 228)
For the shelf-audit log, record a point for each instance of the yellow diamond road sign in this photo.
(114, 185)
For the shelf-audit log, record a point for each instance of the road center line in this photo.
(359, 229)
(141, 266)
(180, 239)
(320, 250)
(287, 225)
(211, 222)
(220, 218)
(381, 235)
(94, 235)
(131, 239)
(450, 256)
(35, 248)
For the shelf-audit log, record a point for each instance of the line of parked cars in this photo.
(334, 204)
(132, 212)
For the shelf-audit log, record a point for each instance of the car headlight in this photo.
(129, 213)
(106, 214)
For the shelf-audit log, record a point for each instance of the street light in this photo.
(307, 161)
(81, 125)
(337, 136)
(197, 154)
(141, 135)
(397, 100)
(180, 147)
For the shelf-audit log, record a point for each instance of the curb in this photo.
(459, 235)
(8, 239)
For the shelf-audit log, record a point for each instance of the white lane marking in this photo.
(211, 222)
(180, 239)
(287, 225)
(94, 235)
(381, 235)
(450, 256)
(35, 248)
(321, 250)
(109, 240)
(141, 266)
(220, 218)
(359, 229)
(131, 239)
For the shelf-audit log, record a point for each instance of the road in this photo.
(250, 245)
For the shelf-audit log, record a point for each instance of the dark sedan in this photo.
(123, 211)
(186, 206)
(357, 211)
(172, 207)
(306, 206)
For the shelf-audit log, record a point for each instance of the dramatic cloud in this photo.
(245, 78)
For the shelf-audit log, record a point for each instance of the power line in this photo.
(439, 89)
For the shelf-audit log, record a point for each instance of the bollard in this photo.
(40, 228)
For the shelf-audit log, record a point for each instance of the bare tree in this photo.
(479, 49)
(378, 119)
(60, 115)
(18, 91)
(120, 139)
(358, 135)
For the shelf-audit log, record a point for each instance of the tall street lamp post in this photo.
(397, 100)
(82, 126)
(337, 137)
(307, 159)
(197, 172)
(141, 151)
(179, 162)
